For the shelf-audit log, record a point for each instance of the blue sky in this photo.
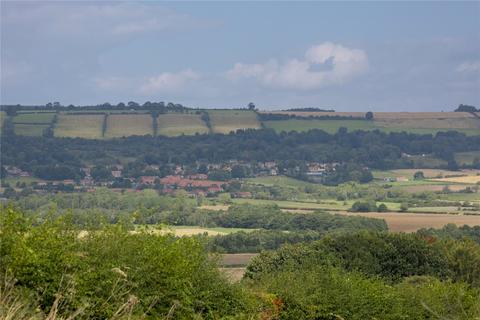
(380, 56)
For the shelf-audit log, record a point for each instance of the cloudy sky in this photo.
(381, 56)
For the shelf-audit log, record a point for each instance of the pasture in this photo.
(330, 126)
(414, 122)
(87, 126)
(3, 116)
(176, 124)
(34, 118)
(225, 121)
(467, 158)
(124, 125)
(32, 130)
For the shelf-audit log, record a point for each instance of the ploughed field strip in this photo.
(124, 125)
(225, 121)
(176, 124)
(87, 126)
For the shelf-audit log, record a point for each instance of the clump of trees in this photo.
(368, 206)
(466, 108)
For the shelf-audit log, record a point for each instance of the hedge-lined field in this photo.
(124, 125)
(176, 124)
(81, 126)
(225, 121)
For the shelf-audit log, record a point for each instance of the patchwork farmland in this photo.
(225, 121)
(176, 124)
(89, 123)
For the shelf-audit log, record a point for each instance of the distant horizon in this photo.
(259, 108)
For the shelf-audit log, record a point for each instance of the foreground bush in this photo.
(110, 272)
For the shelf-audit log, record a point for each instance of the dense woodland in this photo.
(62, 158)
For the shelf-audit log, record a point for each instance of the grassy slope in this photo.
(33, 130)
(123, 125)
(45, 118)
(83, 126)
(332, 126)
(224, 121)
(175, 124)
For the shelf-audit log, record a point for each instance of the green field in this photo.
(332, 126)
(225, 121)
(467, 158)
(82, 126)
(176, 124)
(3, 116)
(282, 181)
(44, 118)
(33, 130)
(124, 125)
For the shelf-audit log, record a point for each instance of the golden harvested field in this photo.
(225, 121)
(175, 124)
(124, 125)
(411, 222)
(87, 126)
(466, 179)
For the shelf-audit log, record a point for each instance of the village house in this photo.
(116, 173)
(198, 176)
(150, 180)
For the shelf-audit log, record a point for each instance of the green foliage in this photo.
(101, 271)
(319, 292)
(390, 256)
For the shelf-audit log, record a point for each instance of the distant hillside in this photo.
(104, 122)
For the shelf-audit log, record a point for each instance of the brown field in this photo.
(87, 126)
(124, 125)
(237, 259)
(411, 222)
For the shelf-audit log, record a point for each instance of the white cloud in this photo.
(469, 67)
(113, 83)
(340, 64)
(168, 82)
